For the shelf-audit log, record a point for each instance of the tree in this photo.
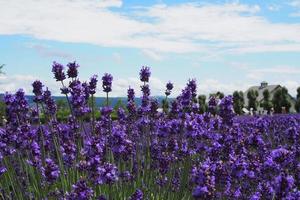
(280, 100)
(252, 99)
(202, 104)
(63, 110)
(62, 104)
(119, 104)
(165, 105)
(266, 103)
(1, 69)
(238, 101)
(297, 105)
(220, 95)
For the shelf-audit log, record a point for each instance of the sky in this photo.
(224, 45)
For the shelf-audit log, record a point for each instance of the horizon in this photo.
(224, 45)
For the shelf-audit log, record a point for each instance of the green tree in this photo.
(165, 105)
(297, 105)
(238, 101)
(2, 108)
(62, 104)
(266, 103)
(281, 99)
(63, 110)
(1, 69)
(119, 104)
(252, 99)
(220, 95)
(202, 104)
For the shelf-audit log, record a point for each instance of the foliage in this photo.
(297, 105)
(252, 99)
(280, 100)
(203, 107)
(238, 102)
(1, 69)
(266, 102)
(165, 105)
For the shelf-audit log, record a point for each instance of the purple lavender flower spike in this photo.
(58, 70)
(93, 84)
(169, 87)
(145, 74)
(80, 191)
(72, 69)
(107, 82)
(137, 195)
(51, 171)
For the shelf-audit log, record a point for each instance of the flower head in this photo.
(50, 171)
(130, 94)
(137, 195)
(80, 191)
(145, 74)
(169, 87)
(58, 70)
(72, 71)
(93, 84)
(107, 82)
(37, 90)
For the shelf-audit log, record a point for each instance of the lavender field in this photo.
(176, 153)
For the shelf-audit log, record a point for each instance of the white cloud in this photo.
(263, 73)
(212, 85)
(11, 83)
(119, 89)
(259, 74)
(47, 51)
(279, 70)
(292, 87)
(273, 7)
(296, 5)
(117, 57)
(181, 28)
(151, 54)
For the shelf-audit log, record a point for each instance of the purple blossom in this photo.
(51, 107)
(130, 94)
(107, 82)
(145, 74)
(169, 87)
(72, 69)
(51, 171)
(93, 84)
(58, 71)
(80, 191)
(106, 174)
(37, 90)
(137, 195)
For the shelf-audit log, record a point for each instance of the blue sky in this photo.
(225, 45)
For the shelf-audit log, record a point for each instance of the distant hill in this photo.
(100, 101)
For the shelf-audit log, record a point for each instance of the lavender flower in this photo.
(72, 71)
(107, 82)
(80, 191)
(93, 84)
(58, 70)
(51, 107)
(145, 74)
(137, 195)
(130, 94)
(37, 90)
(169, 87)
(106, 174)
(51, 171)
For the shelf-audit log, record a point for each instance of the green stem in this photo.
(93, 115)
